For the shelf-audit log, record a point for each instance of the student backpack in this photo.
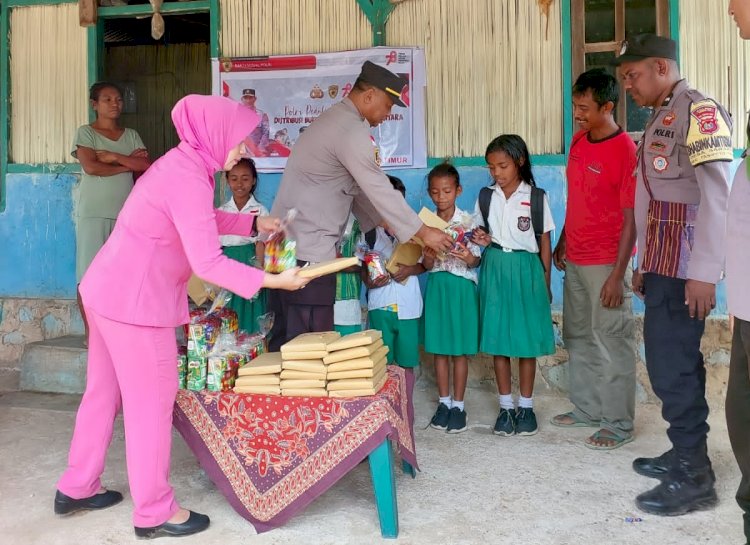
(537, 211)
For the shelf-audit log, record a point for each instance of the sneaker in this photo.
(526, 421)
(440, 419)
(456, 420)
(505, 424)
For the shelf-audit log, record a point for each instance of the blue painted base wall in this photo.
(38, 231)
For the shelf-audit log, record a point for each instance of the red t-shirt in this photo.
(601, 182)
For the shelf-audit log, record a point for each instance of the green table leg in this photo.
(407, 468)
(384, 484)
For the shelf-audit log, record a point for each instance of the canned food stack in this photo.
(356, 364)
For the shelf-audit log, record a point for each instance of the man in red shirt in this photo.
(595, 250)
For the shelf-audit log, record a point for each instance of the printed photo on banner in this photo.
(289, 92)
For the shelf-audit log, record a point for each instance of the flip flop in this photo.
(577, 422)
(608, 436)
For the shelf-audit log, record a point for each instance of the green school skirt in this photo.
(451, 315)
(247, 310)
(515, 318)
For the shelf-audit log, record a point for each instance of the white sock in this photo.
(459, 404)
(506, 401)
(447, 401)
(525, 402)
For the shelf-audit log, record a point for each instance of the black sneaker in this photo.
(505, 424)
(456, 420)
(440, 419)
(526, 421)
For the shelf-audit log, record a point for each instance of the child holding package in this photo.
(451, 302)
(395, 308)
(242, 180)
(514, 299)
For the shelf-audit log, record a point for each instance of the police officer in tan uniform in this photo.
(334, 170)
(738, 298)
(680, 212)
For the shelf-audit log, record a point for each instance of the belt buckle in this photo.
(507, 250)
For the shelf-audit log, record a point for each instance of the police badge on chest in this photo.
(524, 223)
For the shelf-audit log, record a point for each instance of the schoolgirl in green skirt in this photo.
(515, 319)
(242, 180)
(451, 318)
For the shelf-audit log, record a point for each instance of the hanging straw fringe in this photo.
(49, 89)
(489, 71)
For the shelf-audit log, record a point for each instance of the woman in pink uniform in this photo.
(135, 294)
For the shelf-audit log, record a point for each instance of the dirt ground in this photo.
(474, 488)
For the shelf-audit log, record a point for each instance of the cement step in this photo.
(55, 365)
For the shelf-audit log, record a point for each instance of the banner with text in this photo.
(290, 91)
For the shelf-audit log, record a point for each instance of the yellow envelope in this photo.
(356, 383)
(359, 391)
(289, 384)
(327, 267)
(291, 373)
(305, 392)
(310, 342)
(360, 338)
(358, 373)
(407, 253)
(430, 219)
(367, 362)
(265, 364)
(308, 366)
(258, 380)
(270, 390)
(353, 353)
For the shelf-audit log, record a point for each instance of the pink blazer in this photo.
(168, 226)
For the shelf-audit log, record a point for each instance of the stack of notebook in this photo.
(303, 372)
(356, 364)
(260, 375)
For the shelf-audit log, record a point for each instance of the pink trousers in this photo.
(133, 367)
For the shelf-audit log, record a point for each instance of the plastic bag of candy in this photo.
(280, 255)
(376, 266)
(202, 333)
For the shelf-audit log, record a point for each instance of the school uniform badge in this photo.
(524, 223)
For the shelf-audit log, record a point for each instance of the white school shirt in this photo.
(455, 265)
(407, 296)
(252, 207)
(510, 219)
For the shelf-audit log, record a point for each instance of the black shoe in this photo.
(194, 524)
(526, 421)
(505, 424)
(65, 505)
(656, 468)
(689, 486)
(456, 420)
(440, 419)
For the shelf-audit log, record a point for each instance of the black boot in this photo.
(688, 486)
(657, 467)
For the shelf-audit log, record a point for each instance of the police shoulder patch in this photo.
(709, 136)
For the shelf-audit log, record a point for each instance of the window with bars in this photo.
(598, 29)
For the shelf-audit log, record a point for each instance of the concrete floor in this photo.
(474, 488)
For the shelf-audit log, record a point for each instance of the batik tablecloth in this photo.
(273, 455)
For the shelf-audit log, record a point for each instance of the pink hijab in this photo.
(210, 126)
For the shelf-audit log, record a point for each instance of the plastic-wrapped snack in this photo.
(182, 367)
(229, 321)
(376, 266)
(235, 360)
(202, 335)
(221, 300)
(197, 370)
(281, 254)
(218, 368)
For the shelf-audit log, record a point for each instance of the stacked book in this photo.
(303, 371)
(356, 364)
(260, 376)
